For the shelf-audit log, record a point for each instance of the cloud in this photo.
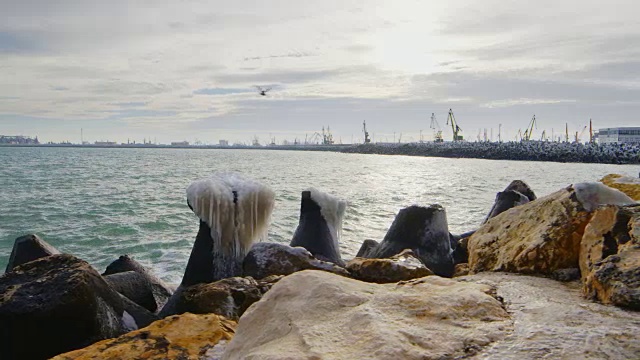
(222, 91)
(127, 68)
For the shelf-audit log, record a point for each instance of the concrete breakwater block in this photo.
(425, 231)
(320, 225)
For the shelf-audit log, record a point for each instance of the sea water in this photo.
(98, 204)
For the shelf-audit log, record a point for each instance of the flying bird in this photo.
(263, 91)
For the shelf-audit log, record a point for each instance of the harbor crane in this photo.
(437, 131)
(579, 135)
(529, 131)
(367, 140)
(454, 127)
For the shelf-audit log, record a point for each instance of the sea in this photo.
(100, 203)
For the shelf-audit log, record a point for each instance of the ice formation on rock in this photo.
(332, 209)
(592, 194)
(236, 209)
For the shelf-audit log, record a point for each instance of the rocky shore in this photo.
(550, 277)
(528, 150)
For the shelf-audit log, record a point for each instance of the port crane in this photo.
(367, 140)
(529, 131)
(437, 131)
(579, 135)
(327, 137)
(454, 127)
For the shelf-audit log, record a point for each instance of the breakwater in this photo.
(530, 150)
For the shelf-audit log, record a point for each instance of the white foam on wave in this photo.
(234, 227)
(593, 194)
(332, 210)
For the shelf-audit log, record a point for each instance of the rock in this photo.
(320, 226)
(161, 290)
(234, 213)
(55, 304)
(551, 320)
(135, 287)
(404, 266)
(141, 316)
(423, 230)
(366, 248)
(521, 187)
(627, 184)
(566, 275)
(539, 237)
(610, 256)
(266, 259)
(505, 200)
(316, 314)
(462, 269)
(185, 336)
(459, 247)
(28, 248)
(227, 297)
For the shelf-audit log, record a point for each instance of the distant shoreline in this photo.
(514, 151)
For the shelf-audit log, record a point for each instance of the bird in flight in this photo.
(263, 91)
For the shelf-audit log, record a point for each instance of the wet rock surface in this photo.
(53, 305)
(28, 248)
(265, 259)
(404, 266)
(551, 320)
(185, 336)
(539, 237)
(316, 314)
(610, 256)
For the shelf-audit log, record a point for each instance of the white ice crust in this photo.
(129, 322)
(332, 210)
(234, 227)
(592, 194)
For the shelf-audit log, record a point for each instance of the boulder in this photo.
(505, 200)
(227, 297)
(316, 314)
(320, 226)
(539, 237)
(551, 320)
(56, 304)
(28, 248)
(404, 266)
(627, 184)
(521, 187)
(135, 287)
(185, 336)
(610, 256)
(367, 247)
(462, 269)
(161, 290)
(266, 259)
(423, 230)
(141, 317)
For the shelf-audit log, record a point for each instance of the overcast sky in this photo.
(185, 70)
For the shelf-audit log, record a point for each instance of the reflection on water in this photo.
(101, 203)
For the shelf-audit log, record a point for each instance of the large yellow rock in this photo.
(610, 256)
(539, 237)
(185, 336)
(319, 315)
(627, 184)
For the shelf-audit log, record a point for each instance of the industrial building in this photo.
(619, 135)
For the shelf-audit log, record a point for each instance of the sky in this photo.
(186, 70)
